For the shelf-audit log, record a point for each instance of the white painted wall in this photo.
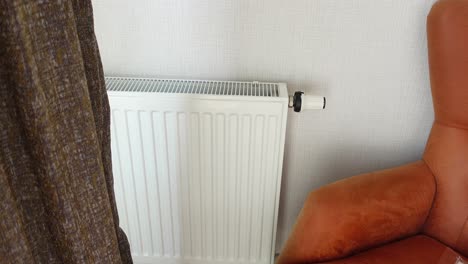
(367, 57)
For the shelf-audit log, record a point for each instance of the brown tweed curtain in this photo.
(56, 190)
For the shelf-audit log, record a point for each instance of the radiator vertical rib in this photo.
(197, 168)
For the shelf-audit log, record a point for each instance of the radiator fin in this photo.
(141, 85)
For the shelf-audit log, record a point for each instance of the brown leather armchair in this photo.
(417, 213)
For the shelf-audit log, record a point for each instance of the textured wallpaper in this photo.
(368, 57)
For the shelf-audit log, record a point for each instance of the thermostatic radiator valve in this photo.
(299, 101)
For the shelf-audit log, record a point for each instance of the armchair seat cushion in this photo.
(414, 250)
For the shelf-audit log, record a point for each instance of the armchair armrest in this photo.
(354, 214)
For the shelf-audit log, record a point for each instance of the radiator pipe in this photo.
(299, 101)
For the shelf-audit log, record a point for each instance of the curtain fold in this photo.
(57, 200)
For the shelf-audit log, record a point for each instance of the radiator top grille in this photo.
(146, 85)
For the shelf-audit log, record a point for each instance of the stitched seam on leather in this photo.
(423, 227)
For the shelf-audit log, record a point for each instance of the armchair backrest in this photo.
(447, 148)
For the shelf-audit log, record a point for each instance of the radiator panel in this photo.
(197, 177)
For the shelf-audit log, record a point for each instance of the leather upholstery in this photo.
(361, 212)
(447, 156)
(414, 250)
(417, 213)
(447, 32)
(447, 149)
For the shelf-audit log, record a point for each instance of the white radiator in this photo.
(197, 168)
